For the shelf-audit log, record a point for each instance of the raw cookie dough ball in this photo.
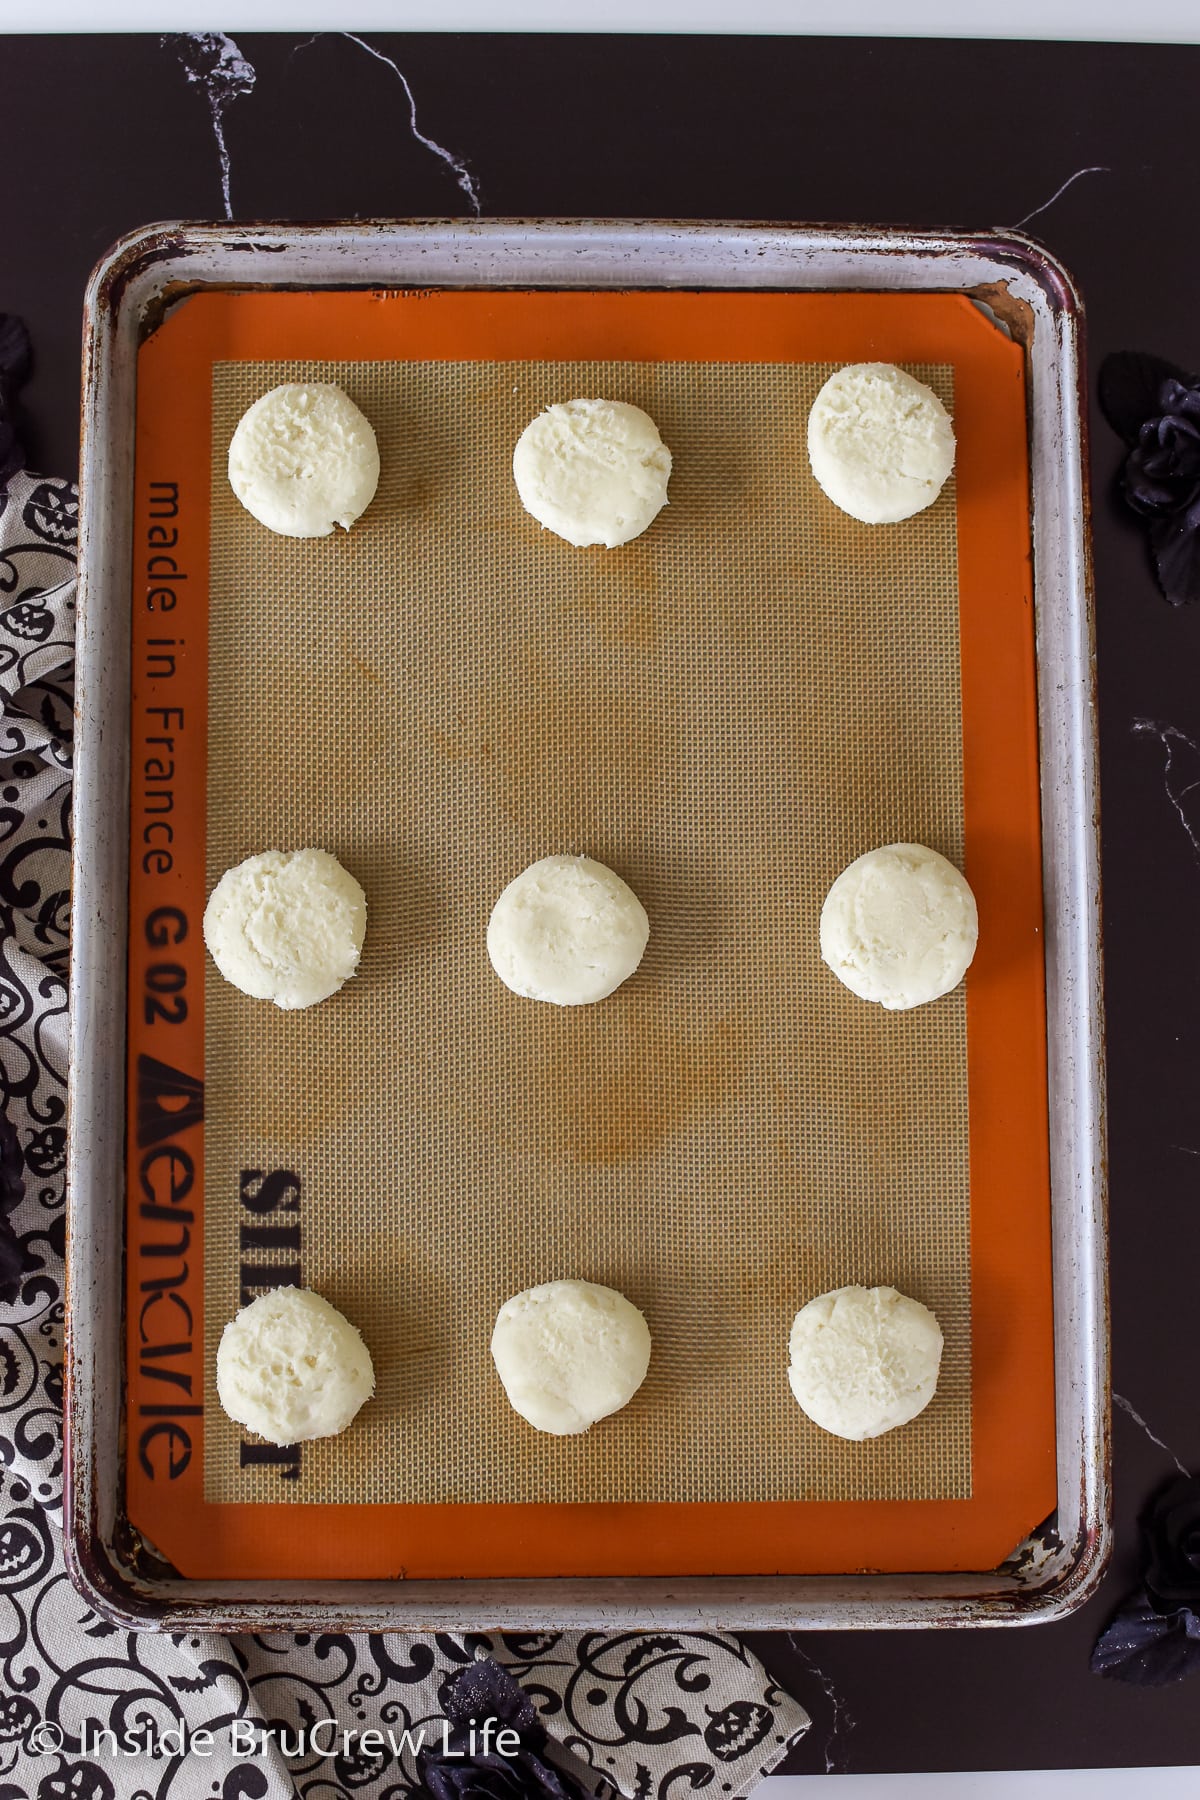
(287, 926)
(567, 930)
(303, 459)
(899, 926)
(594, 471)
(290, 1367)
(570, 1353)
(864, 1360)
(880, 442)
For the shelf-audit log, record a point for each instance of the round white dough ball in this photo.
(304, 459)
(880, 442)
(864, 1360)
(593, 471)
(899, 926)
(567, 930)
(291, 1367)
(287, 926)
(570, 1353)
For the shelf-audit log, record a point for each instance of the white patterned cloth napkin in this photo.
(92, 1712)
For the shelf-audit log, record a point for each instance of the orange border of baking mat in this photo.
(1012, 1329)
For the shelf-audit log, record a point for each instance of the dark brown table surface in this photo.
(102, 134)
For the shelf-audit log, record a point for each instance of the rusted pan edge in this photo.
(1069, 760)
(1058, 1567)
(94, 1283)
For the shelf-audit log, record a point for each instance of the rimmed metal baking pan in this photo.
(1030, 297)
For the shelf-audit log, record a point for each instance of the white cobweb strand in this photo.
(841, 1720)
(213, 63)
(1129, 1408)
(455, 164)
(1092, 169)
(1181, 769)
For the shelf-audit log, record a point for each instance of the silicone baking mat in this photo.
(726, 711)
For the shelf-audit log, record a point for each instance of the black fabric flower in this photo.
(1147, 1648)
(1162, 474)
(1155, 407)
(1155, 1637)
(456, 1769)
(13, 1258)
(1171, 1533)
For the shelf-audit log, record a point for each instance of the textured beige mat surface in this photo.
(726, 712)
